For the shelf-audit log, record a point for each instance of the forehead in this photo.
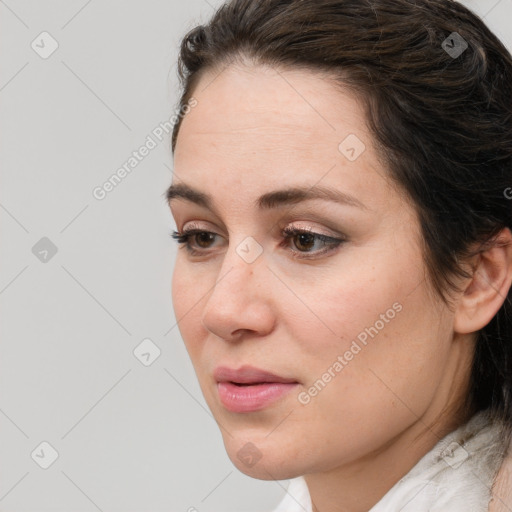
(259, 101)
(258, 127)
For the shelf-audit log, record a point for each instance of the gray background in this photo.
(129, 437)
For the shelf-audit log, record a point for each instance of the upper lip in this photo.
(247, 375)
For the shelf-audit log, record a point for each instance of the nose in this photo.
(241, 299)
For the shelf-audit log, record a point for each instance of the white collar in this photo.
(455, 476)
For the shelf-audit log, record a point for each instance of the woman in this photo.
(342, 201)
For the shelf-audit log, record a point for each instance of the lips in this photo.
(247, 375)
(250, 389)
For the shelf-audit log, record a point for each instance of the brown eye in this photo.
(306, 241)
(195, 240)
(203, 238)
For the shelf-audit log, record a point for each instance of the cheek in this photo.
(380, 373)
(187, 291)
(352, 302)
(382, 322)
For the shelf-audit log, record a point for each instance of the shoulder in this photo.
(501, 500)
(297, 498)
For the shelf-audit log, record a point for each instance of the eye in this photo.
(305, 241)
(203, 239)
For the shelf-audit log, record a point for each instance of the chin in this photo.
(261, 458)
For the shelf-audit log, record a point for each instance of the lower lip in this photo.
(251, 398)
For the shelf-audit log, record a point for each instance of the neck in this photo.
(359, 485)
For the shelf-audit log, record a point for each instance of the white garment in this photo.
(455, 476)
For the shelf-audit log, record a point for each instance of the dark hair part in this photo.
(442, 123)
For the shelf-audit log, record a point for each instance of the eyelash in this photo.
(288, 233)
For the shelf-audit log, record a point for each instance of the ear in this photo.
(487, 289)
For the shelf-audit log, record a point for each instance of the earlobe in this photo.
(487, 289)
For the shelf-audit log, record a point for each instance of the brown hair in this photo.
(440, 113)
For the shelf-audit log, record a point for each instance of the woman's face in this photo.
(348, 321)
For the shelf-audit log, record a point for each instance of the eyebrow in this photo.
(269, 200)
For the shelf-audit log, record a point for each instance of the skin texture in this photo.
(254, 130)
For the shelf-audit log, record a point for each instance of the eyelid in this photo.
(192, 226)
(297, 226)
(332, 243)
(292, 225)
(197, 226)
